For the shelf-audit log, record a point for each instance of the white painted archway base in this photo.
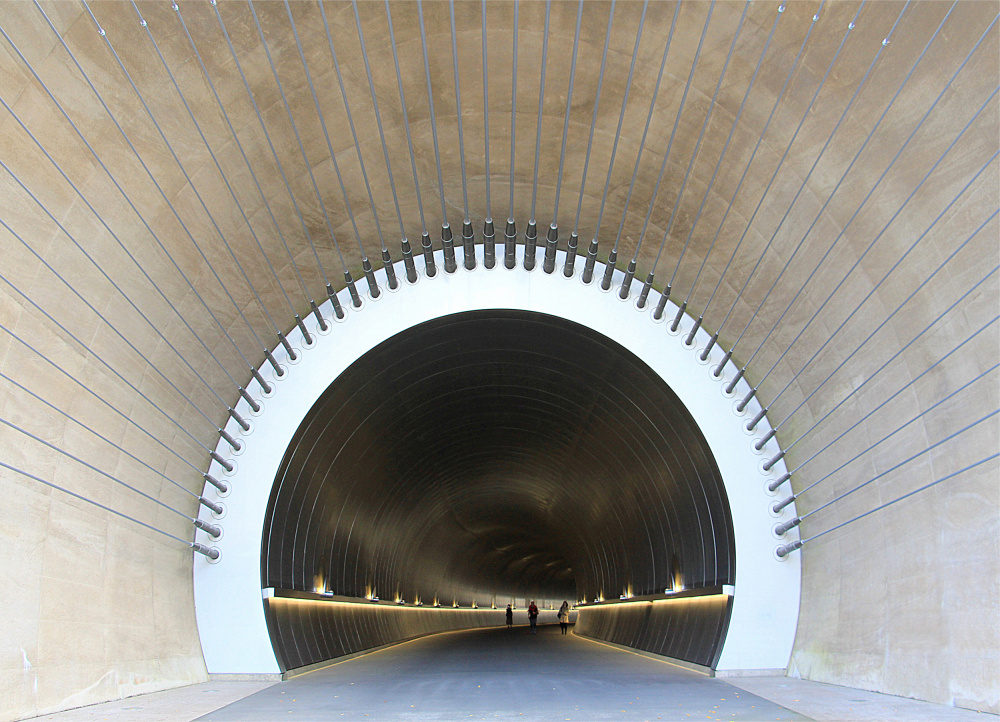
(228, 603)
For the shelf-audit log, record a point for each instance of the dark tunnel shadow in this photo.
(488, 457)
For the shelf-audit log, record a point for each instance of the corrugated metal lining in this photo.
(497, 455)
(306, 632)
(692, 630)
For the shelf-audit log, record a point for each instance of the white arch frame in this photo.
(228, 604)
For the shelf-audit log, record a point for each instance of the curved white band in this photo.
(228, 603)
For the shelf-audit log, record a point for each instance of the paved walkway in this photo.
(496, 675)
(500, 675)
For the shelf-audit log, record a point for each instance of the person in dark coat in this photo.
(533, 617)
(510, 617)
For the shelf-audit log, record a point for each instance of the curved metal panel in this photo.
(493, 455)
(307, 630)
(691, 630)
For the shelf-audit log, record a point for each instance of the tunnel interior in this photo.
(497, 456)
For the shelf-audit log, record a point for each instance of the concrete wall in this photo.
(902, 601)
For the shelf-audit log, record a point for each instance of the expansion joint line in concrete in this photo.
(854, 215)
(390, 272)
(785, 549)
(630, 272)
(305, 159)
(708, 191)
(333, 156)
(253, 175)
(588, 270)
(131, 205)
(805, 284)
(210, 552)
(409, 265)
(176, 159)
(729, 206)
(791, 257)
(447, 238)
(873, 290)
(773, 486)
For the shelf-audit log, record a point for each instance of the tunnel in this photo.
(465, 446)
(327, 326)
(493, 457)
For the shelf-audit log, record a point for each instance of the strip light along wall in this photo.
(721, 590)
(331, 598)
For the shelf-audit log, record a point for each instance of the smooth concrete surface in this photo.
(174, 705)
(830, 702)
(903, 601)
(498, 674)
(501, 674)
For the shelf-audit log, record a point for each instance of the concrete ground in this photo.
(495, 674)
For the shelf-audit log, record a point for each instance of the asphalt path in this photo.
(496, 674)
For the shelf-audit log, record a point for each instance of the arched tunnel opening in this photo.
(210, 211)
(493, 457)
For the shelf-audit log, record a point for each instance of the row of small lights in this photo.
(629, 595)
(455, 605)
(416, 602)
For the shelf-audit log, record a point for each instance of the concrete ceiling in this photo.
(827, 205)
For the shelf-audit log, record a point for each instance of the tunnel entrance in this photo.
(489, 457)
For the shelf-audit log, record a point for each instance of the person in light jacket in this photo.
(564, 617)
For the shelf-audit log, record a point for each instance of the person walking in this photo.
(564, 617)
(510, 618)
(533, 617)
